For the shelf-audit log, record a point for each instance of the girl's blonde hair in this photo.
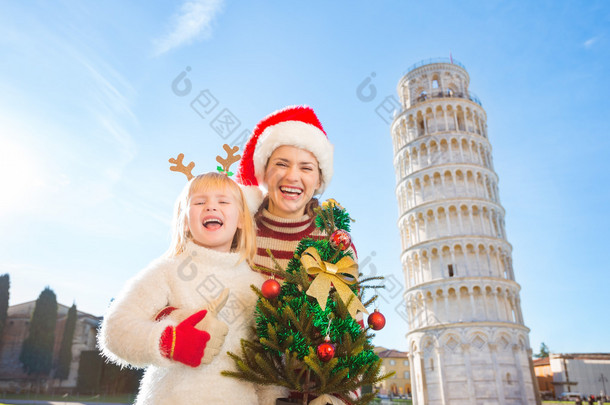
(244, 240)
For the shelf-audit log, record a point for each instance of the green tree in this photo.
(296, 328)
(37, 350)
(4, 294)
(65, 351)
(544, 351)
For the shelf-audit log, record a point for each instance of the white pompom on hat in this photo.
(296, 126)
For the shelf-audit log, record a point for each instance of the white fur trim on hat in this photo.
(253, 196)
(301, 135)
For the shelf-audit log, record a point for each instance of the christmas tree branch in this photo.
(369, 302)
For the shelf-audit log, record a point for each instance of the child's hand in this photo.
(203, 323)
(216, 328)
(185, 343)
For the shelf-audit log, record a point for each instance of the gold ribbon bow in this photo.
(340, 274)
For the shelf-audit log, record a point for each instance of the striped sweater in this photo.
(281, 236)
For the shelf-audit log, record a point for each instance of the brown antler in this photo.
(231, 158)
(180, 167)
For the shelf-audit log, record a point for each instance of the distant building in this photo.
(12, 376)
(544, 375)
(585, 373)
(397, 362)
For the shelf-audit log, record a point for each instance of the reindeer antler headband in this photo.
(226, 163)
(231, 158)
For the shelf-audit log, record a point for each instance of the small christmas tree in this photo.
(308, 339)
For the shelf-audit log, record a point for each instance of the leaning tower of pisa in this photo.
(467, 341)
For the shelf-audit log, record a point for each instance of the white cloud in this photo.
(590, 42)
(192, 22)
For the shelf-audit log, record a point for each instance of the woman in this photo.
(290, 156)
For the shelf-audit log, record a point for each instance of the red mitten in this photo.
(185, 343)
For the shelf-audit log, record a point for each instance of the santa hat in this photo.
(296, 126)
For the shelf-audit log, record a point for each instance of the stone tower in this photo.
(467, 341)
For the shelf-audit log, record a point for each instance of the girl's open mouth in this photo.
(212, 223)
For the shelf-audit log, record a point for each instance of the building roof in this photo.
(393, 354)
(582, 356)
(542, 362)
(25, 310)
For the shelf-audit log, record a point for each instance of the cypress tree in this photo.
(65, 351)
(37, 350)
(4, 295)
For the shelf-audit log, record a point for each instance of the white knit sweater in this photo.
(130, 335)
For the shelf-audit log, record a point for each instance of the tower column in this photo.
(485, 297)
(468, 367)
(466, 267)
(497, 304)
(471, 220)
(518, 310)
(493, 348)
(488, 261)
(421, 270)
(414, 380)
(472, 306)
(459, 216)
(479, 266)
(440, 351)
(522, 390)
(422, 367)
(435, 305)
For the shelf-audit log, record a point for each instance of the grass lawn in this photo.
(568, 402)
(128, 399)
(408, 401)
(124, 399)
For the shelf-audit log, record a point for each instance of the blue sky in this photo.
(89, 117)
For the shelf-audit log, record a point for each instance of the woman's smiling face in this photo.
(292, 176)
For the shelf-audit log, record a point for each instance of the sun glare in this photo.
(18, 177)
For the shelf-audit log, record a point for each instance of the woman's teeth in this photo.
(291, 190)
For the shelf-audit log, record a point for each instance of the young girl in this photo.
(168, 318)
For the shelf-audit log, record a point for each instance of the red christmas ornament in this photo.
(271, 289)
(340, 239)
(325, 350)
(376, 320)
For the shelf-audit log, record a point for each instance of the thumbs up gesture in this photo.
(216, 328)
(198, 338)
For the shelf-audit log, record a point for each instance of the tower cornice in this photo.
(462, 325)
(457, 240)
(423, 207)
(442, 135)
(459, 281)
(447, 165)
